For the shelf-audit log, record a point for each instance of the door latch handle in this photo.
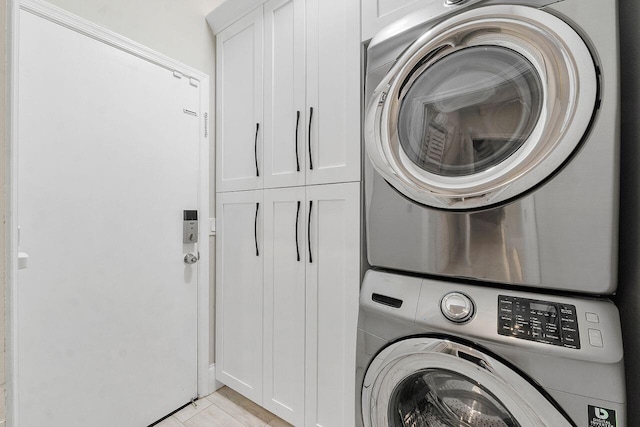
(191, 258)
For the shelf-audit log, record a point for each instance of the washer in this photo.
(435, 353)
(491, 130)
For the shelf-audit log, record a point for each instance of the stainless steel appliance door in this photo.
(437, 382)
(482, 107)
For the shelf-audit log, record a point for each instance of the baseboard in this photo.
(213, 383)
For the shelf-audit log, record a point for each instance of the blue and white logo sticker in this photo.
(602, 417)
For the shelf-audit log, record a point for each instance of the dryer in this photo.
(491, 131)
(436, 353)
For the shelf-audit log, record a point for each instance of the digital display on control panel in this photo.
(540, 321)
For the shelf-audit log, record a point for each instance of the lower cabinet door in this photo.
(284, 303)
(333, 279)
(239, 287)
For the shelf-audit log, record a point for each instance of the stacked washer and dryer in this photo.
(491, 194)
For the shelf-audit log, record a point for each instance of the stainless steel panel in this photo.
(562, 235)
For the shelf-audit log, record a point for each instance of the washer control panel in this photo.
(541, 321)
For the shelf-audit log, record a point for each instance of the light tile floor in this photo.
(224, 408)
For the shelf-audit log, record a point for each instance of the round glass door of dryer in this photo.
(470, 111)
(482, 108)
(440, 383)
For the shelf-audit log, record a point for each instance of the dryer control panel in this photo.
(540, 321)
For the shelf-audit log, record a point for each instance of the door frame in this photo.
(205, 371)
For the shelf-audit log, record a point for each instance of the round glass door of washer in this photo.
(482, 108)
(438, 382)
(433, 397)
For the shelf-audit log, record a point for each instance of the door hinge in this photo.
(206, 125)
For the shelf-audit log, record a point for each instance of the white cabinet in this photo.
(239, 104)
(286, 339)
(333, 277)
(333, 91)
(288, 120)
(284, 94)
(308, 85)
(284, 302)
(239, 287)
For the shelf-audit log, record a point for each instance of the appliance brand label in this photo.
(602, 417)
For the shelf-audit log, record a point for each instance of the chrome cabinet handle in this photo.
(297, 157)
(310, 154)
(297, 245)
(255, 228)
(255, 149)
(309, 231)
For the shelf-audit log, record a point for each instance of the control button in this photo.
(552, 337)
(505, 330)
(506, 307)
(505, 312)
(457, 307)
(506, 319)
(567, 310)
(592, 317)
(595, 338)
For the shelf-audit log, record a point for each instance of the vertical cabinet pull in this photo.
(309, 231)
(310, 154)
(297, 157)
(255, 228)
(297, 219)
(255, 149)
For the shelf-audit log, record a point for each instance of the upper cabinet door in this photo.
(284, 94)
(239, 105)
(333, 91)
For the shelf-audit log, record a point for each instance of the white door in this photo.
(333, 91)
(239, 278)
(239, 105)
(333, 284)
(284, 94)
(284, 302)
(107, 162)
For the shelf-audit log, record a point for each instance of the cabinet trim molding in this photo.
(230, 11)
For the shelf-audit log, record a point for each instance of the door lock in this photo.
(191, 258)
(190, 227)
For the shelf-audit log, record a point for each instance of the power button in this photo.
(457, 307)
